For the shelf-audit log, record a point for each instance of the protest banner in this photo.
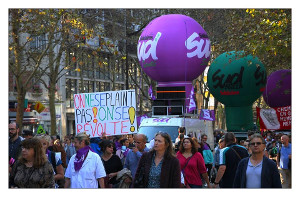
(112, 112)
(278, 118)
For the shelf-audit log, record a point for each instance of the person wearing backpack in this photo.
(273, 151)
(206, 152)
(230, 156)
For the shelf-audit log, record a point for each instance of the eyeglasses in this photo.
(255, 143)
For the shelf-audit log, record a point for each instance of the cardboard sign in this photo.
(113, 113)
(278, 118)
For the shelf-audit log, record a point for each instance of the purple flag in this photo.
(192, 104)
(207, 114)
(150, 93)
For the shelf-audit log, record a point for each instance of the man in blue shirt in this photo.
(257, 171)
(283, 158)
(134, 155)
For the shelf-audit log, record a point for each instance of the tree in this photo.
(25, 62)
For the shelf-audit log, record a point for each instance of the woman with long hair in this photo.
(159, 168)
(112, 163)
(192, 164)
(54, 158)
(32, 169)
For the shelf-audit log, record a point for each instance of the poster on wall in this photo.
(278, 118)
(112, 113)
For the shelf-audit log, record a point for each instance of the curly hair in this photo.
(194, 145)
(39, 155)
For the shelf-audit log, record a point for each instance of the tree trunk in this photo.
(216, 102)
(20, 107)
(52, 108)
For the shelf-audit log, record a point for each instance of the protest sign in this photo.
(277, 118)
(113, 113)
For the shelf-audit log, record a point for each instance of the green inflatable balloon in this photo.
(237, 80)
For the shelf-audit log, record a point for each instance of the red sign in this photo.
(278, 118)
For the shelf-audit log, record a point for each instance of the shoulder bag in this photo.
(185, 181)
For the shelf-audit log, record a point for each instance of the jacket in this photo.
(170, 176)
(122, 175)
(270, 177)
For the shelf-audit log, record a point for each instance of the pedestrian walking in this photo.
(134, 155)
(159, 168)
(69, 149)
(230, 156)
(257, 171)
(273, 152)
(130, 138)
(192, 164)
(112, 163)
(284, 157)
(14, 140)
(32, 169)
(54, 158)
(221, 145)
(206, 152)
(122, 153)
(85, 169)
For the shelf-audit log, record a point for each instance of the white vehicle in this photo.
(150, 126)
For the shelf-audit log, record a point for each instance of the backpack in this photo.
(208, 156)
(274, 151)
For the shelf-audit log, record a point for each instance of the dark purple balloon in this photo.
(173, 48)
(278, 89)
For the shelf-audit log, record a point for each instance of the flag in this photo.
(207, 114)
(139, 119)
(150, 93)
(192, 104)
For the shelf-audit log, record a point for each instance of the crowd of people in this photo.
(44, 161)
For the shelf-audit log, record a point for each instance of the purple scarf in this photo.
(80, 156)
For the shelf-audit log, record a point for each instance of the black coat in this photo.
(170, 171)
(270, 177)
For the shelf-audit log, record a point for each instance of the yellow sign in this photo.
(39, 107)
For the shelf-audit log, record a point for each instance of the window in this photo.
(38, 42)
(70, 91)
(106, 86)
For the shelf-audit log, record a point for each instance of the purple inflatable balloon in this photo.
(278, 89)
(173, 48)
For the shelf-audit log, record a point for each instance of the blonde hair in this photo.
(83, 137)
(43, 137)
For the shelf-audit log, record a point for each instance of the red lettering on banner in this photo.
(122, 126)
(81, 101)
(79, 129)
(115, 126)
(283, 115)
